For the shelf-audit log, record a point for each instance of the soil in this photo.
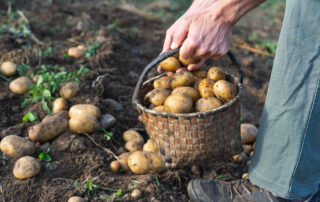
(125, 49)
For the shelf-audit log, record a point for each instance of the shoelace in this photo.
(234, 187)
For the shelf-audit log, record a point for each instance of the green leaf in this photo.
(46, 93)
(119, 193)
(30, 116)
(40, 80)
(66, 55)
(76, 184)
(43, 156)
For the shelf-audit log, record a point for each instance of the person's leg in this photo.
(286, 158)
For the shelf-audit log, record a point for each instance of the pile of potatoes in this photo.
(188, 92)
(141, 158)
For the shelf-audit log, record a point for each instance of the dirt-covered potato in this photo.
(26, 167)
(216, 74)
(20, 85)
(75, 52)
(199, 73)
(207, 103)
(69, 90)
(123, 160)
(82, 47)
(183, 78)
(48, 130)
(163, 82)
(64, 114)
(133, 146)
(248, 148)
(239, 158)
(248, 133)
(16, 146)
(84, 123)
(59, 104)
(191, 92)
(8, 68)
(115, 166)
(132, 135)
(206, 88)
(142, 162)
(225, 90)
(76, 199)
(178, 103)
(170, 64)
(159, 108)
(159, 95)
(80, 109)
(189, 61)
(150, 146)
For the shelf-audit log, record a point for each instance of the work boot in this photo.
(236, 191)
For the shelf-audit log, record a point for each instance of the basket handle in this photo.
(163, 56)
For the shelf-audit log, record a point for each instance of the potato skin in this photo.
(84, 123)
(159, 108)
(123, 160)
(48, 130)
(142, 162)
(115, 166)
(183, 78)
(76, 199)
(170, 64)
(178, 103)
(20, 85)
(76, 52)
(199, 73)
(132, 135)
(16, 146)
(64, 114)
(159, 95)
(59, 104)
(163, 82)
(26, 167)
(206, 88)
(189, 61)
(150, 146)
(248, 133)
(208, 103)
(216, 74)
(133, 146)
(8, 68)
(224, 90)
(81, 109)
(191, 92)
(69, 90)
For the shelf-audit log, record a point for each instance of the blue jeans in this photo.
(286, 158)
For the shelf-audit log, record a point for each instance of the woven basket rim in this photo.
(194, 114)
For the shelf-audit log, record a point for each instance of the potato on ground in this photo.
(123, 160)
(142, 162)
(216, 74)
(248, 148)
(178, 103)
(8, 68)
(189, 61)
(115, 166)
(16, 146)
(159, 95)
(64, 114)
(225, 90)
(81, 109)
(206, 88)
(239, 158)
(159, 108)
(82, 47)
(199, 73)
(248, 133)
(69, 90)
(133, 146)
(183, 78)
(207, 103)
(150, 146)
(132, 135)
(86, 123)
(59, 104)
(26, 167)
(76, 199)
(20, 85)
(163, 82)
(170, 64)
(35, 79)
(76, 52)
(48, 130)
(191, 92)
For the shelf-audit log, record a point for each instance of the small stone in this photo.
(107, 120)
(195, 169)
(76, 199)
(114, 104)
(136, 194)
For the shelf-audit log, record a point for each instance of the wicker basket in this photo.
(193, 137)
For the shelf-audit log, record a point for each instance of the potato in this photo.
(81, 109)
(159, 95)
(136, 194)
(132, 135)
(82, 47)
(170, 64)
(48, 130)
(225, 90)
(8, 68)
(191, 92)
(207, 103)
(216, 74)
(76, 199)
(196, 83)
(64, 114)
(133, 146)
(59, 104)
(183, 78)
(206, 88)
(115, 166)
(16, 146)
(35, 79)
(76, 52)
(239, 158)
(26, 167)
(20, 85)
(178, 103)
(123, 160)
(189, 61)
(163, 82)
(142, 162)
(69, 90)
(245, 176)
(159, 108)
(84, 123)
(150, 146)
(248, 148)
(199, 73)
(248, 133)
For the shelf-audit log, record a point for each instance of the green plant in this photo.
(23, 69)
(106, 134)
(267, 44)
(48, 51)
(133, 184)
(44, 156)
(30, 116)
(92, 50)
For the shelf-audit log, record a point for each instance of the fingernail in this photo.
(173, 45)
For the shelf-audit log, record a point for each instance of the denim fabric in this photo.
(286, 158)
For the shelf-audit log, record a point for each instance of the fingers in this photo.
(167, 41)
(188, 48)
(178, 38)
(169, 74)
(196, 66)
(181, 69)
